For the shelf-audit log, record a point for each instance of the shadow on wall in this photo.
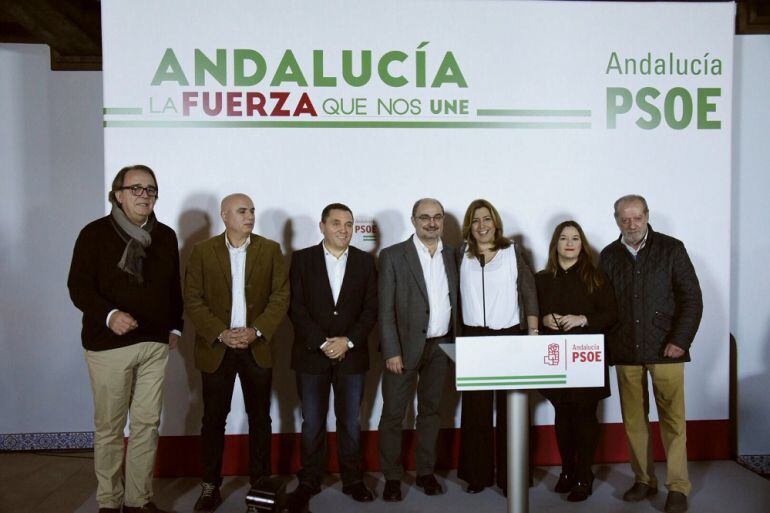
(752, 393)
(184, 397)
(194, 225)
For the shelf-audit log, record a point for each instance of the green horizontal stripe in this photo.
(536, 376)
(516, 383)
(122, 110)
(533, 112)
(345, 124)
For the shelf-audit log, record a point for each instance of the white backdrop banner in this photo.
(550, 110)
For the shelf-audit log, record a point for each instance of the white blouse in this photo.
(500, 290)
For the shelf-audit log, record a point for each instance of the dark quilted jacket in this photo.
(659, 300)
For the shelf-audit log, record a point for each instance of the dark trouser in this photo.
(577, 432)
(482, 443)
(217, 395)
(314, 391)
(397, 393)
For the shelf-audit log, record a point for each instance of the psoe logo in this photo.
(365, 234)
(552, 357)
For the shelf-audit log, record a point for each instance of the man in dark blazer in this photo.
(333, 308)
(418, 310)
(236, 294)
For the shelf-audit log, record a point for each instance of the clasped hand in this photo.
(238, 338)
(558, 322)
(335, 347)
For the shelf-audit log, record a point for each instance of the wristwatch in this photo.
(351, 345)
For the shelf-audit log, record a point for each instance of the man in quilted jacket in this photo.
(659, 310)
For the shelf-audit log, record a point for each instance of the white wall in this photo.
(749, 305)
(51, 169)
(51, 166)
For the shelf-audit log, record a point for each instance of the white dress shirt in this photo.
(438, 288)
(500, 290)
(238, 273)
(335, 270)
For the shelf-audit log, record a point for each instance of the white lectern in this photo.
(518, 364)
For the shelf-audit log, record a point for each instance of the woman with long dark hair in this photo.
(575, 297)
(504, 304)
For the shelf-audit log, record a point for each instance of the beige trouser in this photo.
(668, 389)
(126, 380)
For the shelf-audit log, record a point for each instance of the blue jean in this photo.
(314, 391)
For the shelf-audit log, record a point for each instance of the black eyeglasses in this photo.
(425, 218)
(136, 190)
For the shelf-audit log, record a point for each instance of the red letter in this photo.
(278, 110)
(189, 99)
(305, 106)
(233, 102)
(217, 104)
(575, 355)
(258, 105)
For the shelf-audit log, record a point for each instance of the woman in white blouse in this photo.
(497, 297)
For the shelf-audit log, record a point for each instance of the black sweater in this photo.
(566, 294)
(97, 286)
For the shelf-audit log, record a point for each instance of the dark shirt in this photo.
(565, 294)
(97, 286)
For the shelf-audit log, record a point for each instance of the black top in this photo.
(566, 294)
(659, 300)
(97, 286)
(315, 316)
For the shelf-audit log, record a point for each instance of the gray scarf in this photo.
(136, 239)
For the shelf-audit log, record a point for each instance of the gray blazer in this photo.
(525, 285)
(403, 301)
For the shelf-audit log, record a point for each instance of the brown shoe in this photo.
(639, 492)
(676, 502)
(147, 508)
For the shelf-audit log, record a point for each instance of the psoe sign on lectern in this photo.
(518, 363)
(521, 363)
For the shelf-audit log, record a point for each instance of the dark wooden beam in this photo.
(72, 28)
(752, 17)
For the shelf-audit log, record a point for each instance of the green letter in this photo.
(649, 108)
(169, 70)
(704, 107)
(613, 108)
(319, 80)
(686, 108)
(449, 72)
(382, 69)
(614, 64)
(239, 57)
(288, 71)
(217, 70)
(366, 68)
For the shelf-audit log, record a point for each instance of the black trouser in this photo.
(577, 432)
(217, 395)
(482, 444)
(314, 391)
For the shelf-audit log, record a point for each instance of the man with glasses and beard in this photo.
(417, 311)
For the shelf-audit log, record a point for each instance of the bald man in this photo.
(236, 294)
